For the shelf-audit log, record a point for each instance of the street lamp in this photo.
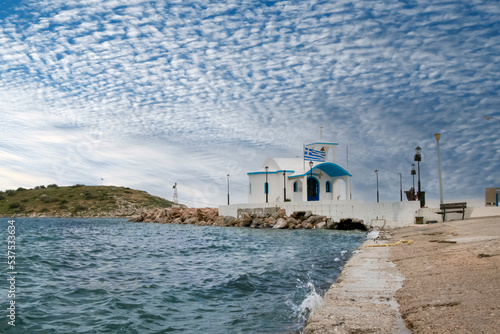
(438, 136)
(310, 183)
(400, 187)
(284, 186)
(418, 158)
(413, 173)
(227, 189)
(266, 186)
(376, 172)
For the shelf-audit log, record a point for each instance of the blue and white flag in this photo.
(314, 155)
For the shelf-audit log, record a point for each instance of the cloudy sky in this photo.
(147, 93)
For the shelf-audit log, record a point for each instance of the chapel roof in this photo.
(298, 167)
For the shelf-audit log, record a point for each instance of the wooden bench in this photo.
(451, 208)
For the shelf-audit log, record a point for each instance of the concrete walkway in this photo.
(363, 298)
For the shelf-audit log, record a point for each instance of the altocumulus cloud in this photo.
(148, 93)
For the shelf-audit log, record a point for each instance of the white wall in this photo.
(276, 188)
(392, 214)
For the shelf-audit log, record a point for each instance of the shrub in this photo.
(10, 192)
(2, 197)
(87, 194)
(79, 208)
(14, 205)
(48, 199)
(21, 189)
(52, 186)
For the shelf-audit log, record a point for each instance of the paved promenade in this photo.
(446, 281)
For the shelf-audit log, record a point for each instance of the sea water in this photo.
(115, 276)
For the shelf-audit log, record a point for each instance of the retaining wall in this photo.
(386, 214)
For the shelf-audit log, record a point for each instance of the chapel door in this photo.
(312, 189)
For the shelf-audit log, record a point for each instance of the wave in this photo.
(311, 302)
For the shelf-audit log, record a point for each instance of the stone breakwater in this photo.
(277, 220)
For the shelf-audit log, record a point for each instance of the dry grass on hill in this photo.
(78, 200)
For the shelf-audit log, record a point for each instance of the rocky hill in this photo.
(78, 201)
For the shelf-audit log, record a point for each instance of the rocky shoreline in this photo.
(276, 220)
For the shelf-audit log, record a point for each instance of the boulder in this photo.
(280, 223)
(315, 219)
(321, 225)
(298, 215)
(246, 217)
(330, 224)
(229, 220)
(307, 225)
(190, 220)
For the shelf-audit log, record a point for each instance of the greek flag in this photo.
(314, 155)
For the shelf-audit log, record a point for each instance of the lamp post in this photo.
(418, 158)
(376, 173)
(400, 187)
(309, 184)
(227, 189)
(438, 136)
(266, 187)
(284, 186)
(413, 173)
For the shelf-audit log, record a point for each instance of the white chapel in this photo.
(311, 178)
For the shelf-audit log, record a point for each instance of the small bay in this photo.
(80, 275)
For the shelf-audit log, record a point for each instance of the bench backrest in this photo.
(453, 205)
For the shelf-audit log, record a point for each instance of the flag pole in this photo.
(304, 156)
(347, 153)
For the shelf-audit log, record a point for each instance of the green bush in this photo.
(52, 186)
(48, 199)
(80, 208)
(10, 192)
(21, 189)
(14, 205)
(87, 194)
(2, 197)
